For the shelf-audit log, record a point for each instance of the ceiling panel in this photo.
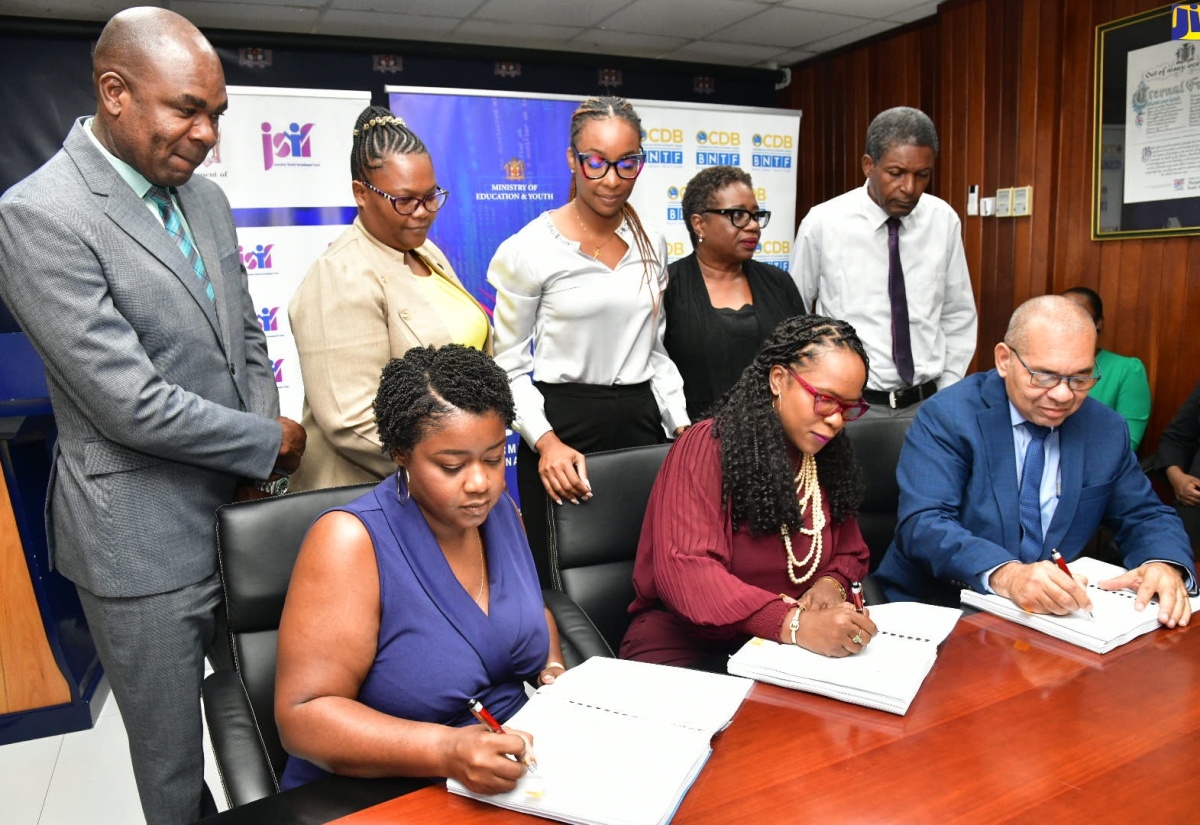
(732, 32)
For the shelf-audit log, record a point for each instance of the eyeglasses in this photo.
(596, 166)
(740, 218)
(826, 405)
(406, 205)
(1050, 380)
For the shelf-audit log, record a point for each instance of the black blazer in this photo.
(1180, 442)
(694, 338)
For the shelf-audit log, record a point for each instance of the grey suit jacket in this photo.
(161, 402)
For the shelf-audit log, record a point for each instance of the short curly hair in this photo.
(757, 470)
(703, 186)
(427, 384)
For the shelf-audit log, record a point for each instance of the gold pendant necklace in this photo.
(583, 227)
(808, 492)
(482, 568)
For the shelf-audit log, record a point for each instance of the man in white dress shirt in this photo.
(889, 259)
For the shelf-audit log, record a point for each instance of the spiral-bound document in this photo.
(618, 742)
(1115, 621)
(886, 675)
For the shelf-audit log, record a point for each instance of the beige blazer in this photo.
(357, 308)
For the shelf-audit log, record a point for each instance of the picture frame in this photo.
(1146, 145)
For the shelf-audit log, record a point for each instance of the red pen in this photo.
(486, 719)
(856, 596)
(1062, 565)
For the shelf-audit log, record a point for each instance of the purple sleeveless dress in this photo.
(437, 649)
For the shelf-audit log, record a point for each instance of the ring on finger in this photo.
(857, 638)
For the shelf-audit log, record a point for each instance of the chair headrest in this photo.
(257, 545)
(606, 527)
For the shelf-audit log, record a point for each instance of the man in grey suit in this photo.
(123, 271)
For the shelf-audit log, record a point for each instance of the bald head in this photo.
(137, 39)
(1068, 318)
(160, 90)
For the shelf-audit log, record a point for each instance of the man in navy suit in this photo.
(961, 522)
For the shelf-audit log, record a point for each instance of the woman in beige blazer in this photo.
(380, 289)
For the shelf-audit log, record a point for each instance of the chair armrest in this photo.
(872, 591)
(579, 636)
(242, 760)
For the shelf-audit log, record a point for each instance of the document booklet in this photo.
(1115, 621)
(886, 675)
(618, 742)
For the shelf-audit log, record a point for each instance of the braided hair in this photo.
(755, 464)
(378, 135)
(428, 384)
(604, 108)
(703, 188)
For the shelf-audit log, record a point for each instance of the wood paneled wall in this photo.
(1009, 84)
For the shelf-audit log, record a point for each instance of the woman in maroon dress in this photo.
(750, 529)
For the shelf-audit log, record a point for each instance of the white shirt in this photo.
(840, 264)
(587, 324)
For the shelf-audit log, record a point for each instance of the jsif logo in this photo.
(268, 319)
(277, 368)
(258, 258)
(293, 142)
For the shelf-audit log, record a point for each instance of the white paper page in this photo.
(669, 695)
(599, 767)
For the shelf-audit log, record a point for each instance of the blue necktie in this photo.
(1030, 497)
(174, 226)
(902, 355)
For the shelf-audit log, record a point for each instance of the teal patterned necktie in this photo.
(174, 226)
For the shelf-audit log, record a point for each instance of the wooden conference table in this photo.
(1010, 725)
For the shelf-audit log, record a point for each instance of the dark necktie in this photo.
(1030, 497)
(173, 223)
(901, 341)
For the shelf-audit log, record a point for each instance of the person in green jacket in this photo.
(1123, 385)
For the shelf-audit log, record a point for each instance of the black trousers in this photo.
(590, 419)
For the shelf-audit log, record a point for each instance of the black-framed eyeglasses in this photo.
(1050, 380)
(740, 218)
(595, 166)
(826, 405)
(407, 204)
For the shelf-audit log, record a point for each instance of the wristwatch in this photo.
(274, 488)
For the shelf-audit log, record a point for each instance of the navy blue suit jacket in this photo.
(958, 517)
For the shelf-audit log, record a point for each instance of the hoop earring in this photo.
(403, 499)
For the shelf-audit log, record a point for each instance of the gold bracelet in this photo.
(554, 664)
(794, 625)
(836, 584)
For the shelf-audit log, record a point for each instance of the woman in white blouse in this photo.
(583, 283)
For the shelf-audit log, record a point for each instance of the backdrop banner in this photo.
(284, 163)
(503, 158)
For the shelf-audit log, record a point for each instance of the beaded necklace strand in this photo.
(808, 491)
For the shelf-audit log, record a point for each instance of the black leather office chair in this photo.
(877, 443)
(592, 547)
(257, 544)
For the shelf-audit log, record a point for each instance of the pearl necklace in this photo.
(808, 490)
(584, 229)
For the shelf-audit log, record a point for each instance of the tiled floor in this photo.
(79, 777)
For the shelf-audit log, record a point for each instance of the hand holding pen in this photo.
(1057, 558)
(486, 719)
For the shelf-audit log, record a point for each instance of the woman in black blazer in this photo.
(720, 303)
